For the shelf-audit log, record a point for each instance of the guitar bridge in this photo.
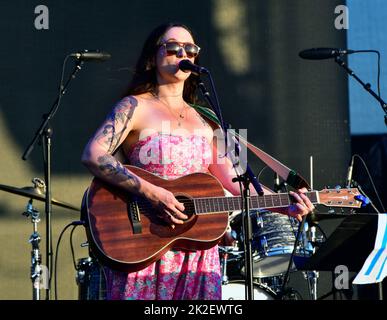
(135, 218)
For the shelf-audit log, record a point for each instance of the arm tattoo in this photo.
(109, 137)
(112, 168)
(120, 116)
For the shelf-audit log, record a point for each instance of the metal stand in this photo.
(245, 179)
(36, 258)
(44, 133)
(366, 86)
(311, 276)
(247, 230)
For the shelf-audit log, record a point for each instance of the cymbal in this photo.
(35, 193)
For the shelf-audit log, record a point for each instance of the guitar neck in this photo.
(221, 204)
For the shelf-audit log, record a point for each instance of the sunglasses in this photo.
(173, 47)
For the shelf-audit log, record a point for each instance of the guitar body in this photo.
(110, 230)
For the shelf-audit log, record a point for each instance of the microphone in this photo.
(349, 173)
(86, 55)
(323, 53)
(188, 66)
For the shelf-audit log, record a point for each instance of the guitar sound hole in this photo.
(189, 208)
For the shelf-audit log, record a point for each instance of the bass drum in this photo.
(235, 290)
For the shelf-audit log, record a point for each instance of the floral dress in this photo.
(178, 274)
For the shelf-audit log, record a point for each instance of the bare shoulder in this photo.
(128, 108)
(208, 123)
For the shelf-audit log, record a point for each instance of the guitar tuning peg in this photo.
(338, 187)
(363, 199)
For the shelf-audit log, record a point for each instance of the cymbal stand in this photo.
(225, 253)
(312, 275)
(224, 257)
(36, 257)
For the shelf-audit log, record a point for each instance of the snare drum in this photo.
(235, 290)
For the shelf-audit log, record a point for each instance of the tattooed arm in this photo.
(98, 154)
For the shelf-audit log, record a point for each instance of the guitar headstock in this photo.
(340, 198)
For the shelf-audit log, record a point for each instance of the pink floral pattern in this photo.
(178, 275)
(171, 156)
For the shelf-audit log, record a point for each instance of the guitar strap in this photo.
(290, 176)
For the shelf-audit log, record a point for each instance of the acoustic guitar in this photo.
(126, 233)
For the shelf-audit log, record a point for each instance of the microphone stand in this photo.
(245, 179)
(44, 133)
(366, 86)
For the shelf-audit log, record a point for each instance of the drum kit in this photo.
(274, 240)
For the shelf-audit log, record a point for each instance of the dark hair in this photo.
(144, 78)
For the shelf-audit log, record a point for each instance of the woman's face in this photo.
(167, 62)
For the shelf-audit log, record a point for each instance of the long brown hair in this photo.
(144, 78)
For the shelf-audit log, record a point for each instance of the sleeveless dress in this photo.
(178, 275)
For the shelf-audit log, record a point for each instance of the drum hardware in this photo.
(39, 273)
(313, 275)
(274, 283)
(84, 244)
(225, 252)
(91, 280)
(264, 245)
(82, 277)
(36, 257)
(223, 262)
(236, 289)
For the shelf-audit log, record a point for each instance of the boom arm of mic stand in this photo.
(366, 86)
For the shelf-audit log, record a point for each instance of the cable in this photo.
(60, 94)
(72, 246)
(371, 203)
(372, 183)
(74, 224)
(260, 172)
(378, 77)
(286, 278)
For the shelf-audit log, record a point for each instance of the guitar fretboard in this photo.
(220, 204)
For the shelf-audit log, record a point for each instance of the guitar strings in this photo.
(190, 205)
